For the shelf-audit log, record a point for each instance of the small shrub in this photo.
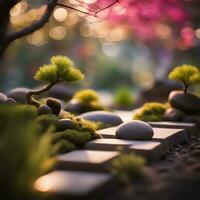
(128, 167)
(87, 96)
(78, 138)
(153, 111)
(123, 97)
(186, 74)
(64, 146)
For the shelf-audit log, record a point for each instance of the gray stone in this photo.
(174, 115)
(3, 97)
(18, 94)
(73, 184)
(134, 130)
(86, 160)
(10, 101)
(106, 118)
(61, 91)
(77, 107)
(64, 124)
(55, 105)
(186, 102)
(191, 128)
(44, 109)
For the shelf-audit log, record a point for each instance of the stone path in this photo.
(84, 173)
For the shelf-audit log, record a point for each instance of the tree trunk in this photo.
(5, 7)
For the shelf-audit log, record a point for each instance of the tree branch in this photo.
(89, 11)
(51, 4)
(76, 9)
(108, 6)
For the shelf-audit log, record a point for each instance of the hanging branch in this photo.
(51, 4)
(92, 12)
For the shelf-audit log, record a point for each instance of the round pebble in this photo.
(44, 110)
(186, 102)
(134, 130)
(3, 97)
(18, 94)
(64, 124)
(106, 118)
(54, 105)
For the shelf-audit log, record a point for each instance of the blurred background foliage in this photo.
(111, 54)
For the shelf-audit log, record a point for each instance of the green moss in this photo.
(186, 74)
(80, 123)
(78, 138)
(47, 121)
(64, 146)
(153, 111)
(128, 167)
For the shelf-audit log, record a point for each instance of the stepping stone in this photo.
(109, 144)
(86, 160)
(151, 150)
(169, 137)
(191, 128)
(73, 184)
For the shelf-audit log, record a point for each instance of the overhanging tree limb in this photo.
(51, 4)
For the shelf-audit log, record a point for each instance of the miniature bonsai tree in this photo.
(61, 69)
(186, 74)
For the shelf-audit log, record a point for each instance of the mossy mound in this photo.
(153, 111)
(84, 101)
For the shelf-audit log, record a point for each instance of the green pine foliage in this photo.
(152, 111)
(128, 167)
(25, 154)
(186, 74)
(61, 68)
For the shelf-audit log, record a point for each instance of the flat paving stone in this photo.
(191, 128)
(169, 136)
(73, 184)
(86, 160)
(151, 150)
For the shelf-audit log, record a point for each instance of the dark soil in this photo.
(175, 177)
